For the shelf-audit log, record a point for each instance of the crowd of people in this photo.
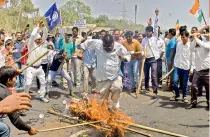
(102, 61)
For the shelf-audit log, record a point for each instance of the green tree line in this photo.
(71, 11)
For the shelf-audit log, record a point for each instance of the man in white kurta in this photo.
(109, 55)
(36, 70)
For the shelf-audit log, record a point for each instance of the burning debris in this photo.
(102, 116)
(93, 110)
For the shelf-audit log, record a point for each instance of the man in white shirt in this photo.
(152, 54)
(200, 85)
(201, 71)
(89, 60)
(161, 47)
(36, 70)
(182, 66)
(109, 55)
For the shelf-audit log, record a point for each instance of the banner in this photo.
(80, 23)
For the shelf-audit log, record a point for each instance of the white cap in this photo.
(37, 36)
(6, 39)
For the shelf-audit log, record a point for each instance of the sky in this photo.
(170, 10)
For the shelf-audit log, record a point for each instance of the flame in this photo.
(95, 110)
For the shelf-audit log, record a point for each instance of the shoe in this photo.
(169, 89)
(155, 96)
(118, 105)
(71, 93)
(133, 90)
(93, 90)
(77, 86)
(64, 87)
(185, 100)
(199, 94)
(207, 108)
(54, 83)
(174, 98)
(148, 90)
(43, 99)
(191, 106)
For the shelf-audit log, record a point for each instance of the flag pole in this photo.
(61, 21)
(204, 19)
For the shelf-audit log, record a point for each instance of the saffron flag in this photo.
(195, 7)
(196, 10)
(1, 2)
(52, 16)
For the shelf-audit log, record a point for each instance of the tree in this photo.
(73, 10)
(10, 15)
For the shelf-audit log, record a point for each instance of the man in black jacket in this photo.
(11, 104)
(57, 68)
(14, 117)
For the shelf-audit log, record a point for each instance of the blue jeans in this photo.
(183, 75)
(122, 67)
(4, 130)
(20, 78)
(133, 72)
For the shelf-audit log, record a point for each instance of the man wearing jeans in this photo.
(134, 47)
(4, 130)
(152, 54)
(11, 104)
(18, 46)
(170, 53)
(182, 65)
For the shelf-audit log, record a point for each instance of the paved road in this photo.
(160, 113)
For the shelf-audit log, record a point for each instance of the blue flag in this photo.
(52, 16)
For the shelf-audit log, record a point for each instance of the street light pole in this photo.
(135, 13)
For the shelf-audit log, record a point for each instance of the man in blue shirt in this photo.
(170, 52)
(89, 61)
(18, 46)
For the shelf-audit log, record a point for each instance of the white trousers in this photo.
(30, 73)
(62, 73)
(76, 70)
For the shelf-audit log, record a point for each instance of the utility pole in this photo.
(124, 14)
(135, 13)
